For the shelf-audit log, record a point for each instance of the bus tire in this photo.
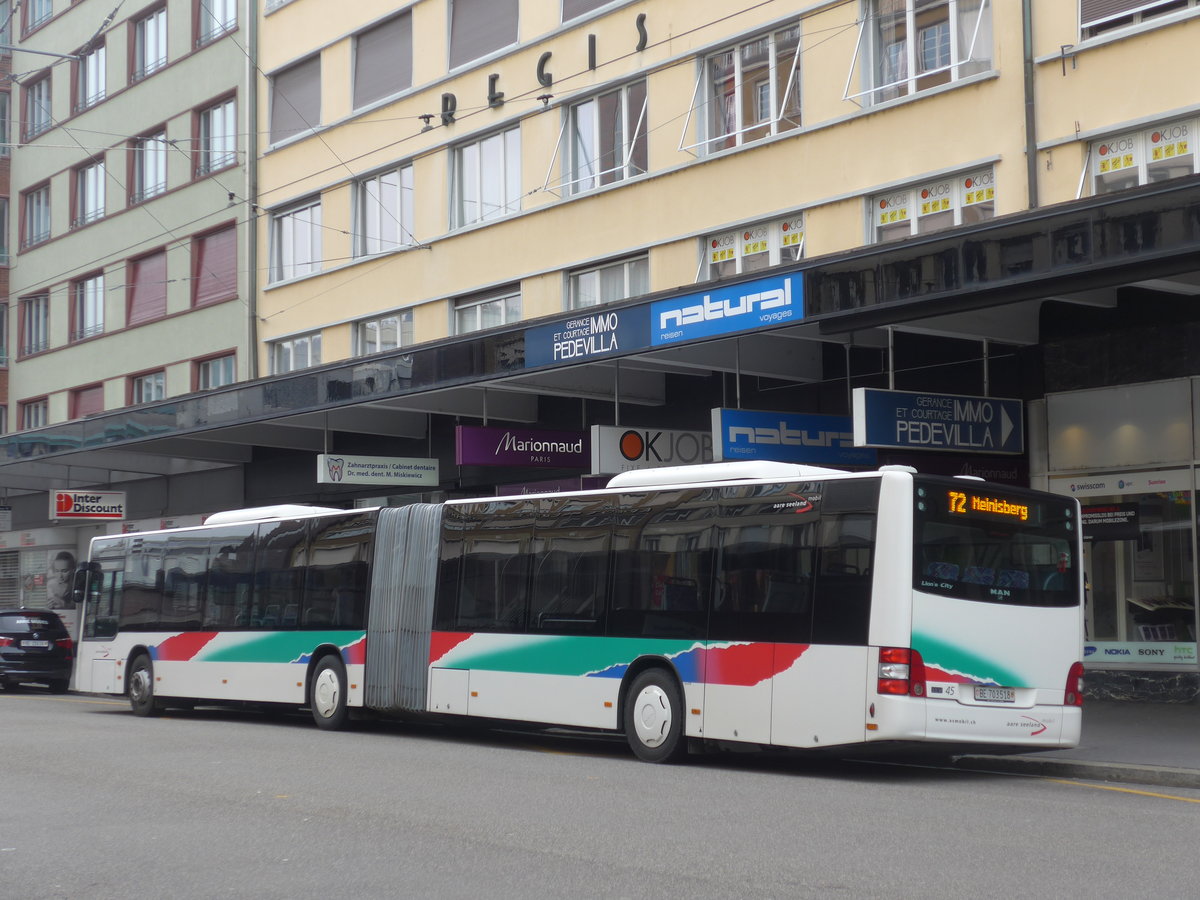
(653, 714)
(141, 687)
(328, 694)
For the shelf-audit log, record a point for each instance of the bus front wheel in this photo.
(141, 687)
(654, 718)
(329, 694)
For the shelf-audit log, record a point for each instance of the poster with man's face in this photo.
(59, 572)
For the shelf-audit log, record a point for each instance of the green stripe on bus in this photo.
(277, 647)
(954, 658)
(565, 655)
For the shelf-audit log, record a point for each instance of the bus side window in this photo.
(842, 602)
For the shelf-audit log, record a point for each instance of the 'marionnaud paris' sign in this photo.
(344, 469)
(919, 421)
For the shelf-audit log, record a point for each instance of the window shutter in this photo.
(148, 288)
(1093, 11)
(477, 27)
(87, 401)
(383, 60)
(296, 99)
(215, 258)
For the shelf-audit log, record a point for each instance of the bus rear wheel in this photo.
(654, 718)
(141, 687)
(328, 694)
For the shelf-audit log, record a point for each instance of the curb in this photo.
(1130, 773)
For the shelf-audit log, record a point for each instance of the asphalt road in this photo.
(97, 803)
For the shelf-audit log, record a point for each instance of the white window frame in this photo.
(480, 193)
(87, 299)
(470, 313)
(37, 216)
(211, 373)
(90, 78)
(215, 18)
(1138, 12)
(581, 133)
(149, 387)
(752, 247)
(383, 214)
(34, 414)
(149, 44)
(39, 12)
(149, 166)
(5, 123)
(634, 272)
(903, 80)
(35, 324)
(37, 108)
(296, 241)
(1134, 157)
(371, 335)
(216, 132)
(285, 353)
(89, 193)
(780, 119)
(917, 209)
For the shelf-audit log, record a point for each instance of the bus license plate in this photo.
(995, 694)
(39, 644)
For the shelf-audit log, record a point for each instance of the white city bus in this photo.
(760, 603)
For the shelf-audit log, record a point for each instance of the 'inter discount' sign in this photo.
(105, 505)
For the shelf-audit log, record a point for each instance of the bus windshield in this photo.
(978, 541)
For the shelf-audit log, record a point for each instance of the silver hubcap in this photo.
(652, 715)
(139, 686)
(327, 691)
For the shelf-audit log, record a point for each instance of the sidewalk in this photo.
(1139, 743)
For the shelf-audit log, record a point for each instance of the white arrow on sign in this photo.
(1006, 426)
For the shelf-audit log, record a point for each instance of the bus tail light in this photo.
(1074, 693)
(901, 671)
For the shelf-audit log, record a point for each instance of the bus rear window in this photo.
(998, 545)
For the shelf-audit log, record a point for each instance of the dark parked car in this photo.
(35, 647)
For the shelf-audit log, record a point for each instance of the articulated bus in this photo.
(744, 603)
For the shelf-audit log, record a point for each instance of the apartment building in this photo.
(607, 218)
(130, 277)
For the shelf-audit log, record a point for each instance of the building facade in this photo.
(513, 214)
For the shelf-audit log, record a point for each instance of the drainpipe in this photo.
(251, 204)
(1030, 118)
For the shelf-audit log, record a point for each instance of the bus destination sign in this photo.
(962, 503)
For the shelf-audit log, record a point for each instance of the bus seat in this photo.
(290, 615)
(978, 575)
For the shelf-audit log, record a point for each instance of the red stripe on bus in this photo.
(442, 642)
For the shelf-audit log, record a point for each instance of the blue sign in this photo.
(918, 421)
(587, 335)
(727, 309)
(786, 437)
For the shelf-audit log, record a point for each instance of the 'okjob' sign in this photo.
(476, 446)
(786, 437)
(617, 449)
(590, 334)
(726, 309)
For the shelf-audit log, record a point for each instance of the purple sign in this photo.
(476, 446)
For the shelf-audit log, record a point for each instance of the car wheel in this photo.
(654, 718)
(328, 694)
(141, 687)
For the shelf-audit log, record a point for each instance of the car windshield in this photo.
(27, 623)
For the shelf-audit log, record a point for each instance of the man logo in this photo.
(335, 465)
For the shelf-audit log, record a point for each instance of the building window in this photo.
(149, 44)
(37, 107)
(5, 122)
(37, 216)
(1099, 16)
(296, 99)
(752, 248)
(3, 231)
(950, 39)
(387, 333)
(87, 307)
(384, 212)
(89, 78)
(87, 401)
(487, 311)
(296, 242)
(147, 286)
(609, 282)
(214, 258)
(752, 90)
(479, 27)
(34, 414)
(35, 324)
(37, 12)
(573, 9)
(149, 166)
(608, 138)
(487, 178)
(383, 60)
(1143, 157)
(3, 334)
(296, 353)
(148, 388)
(216, 131)
(89, 193)
(934, 206)
(214, 373)
(215, 18)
